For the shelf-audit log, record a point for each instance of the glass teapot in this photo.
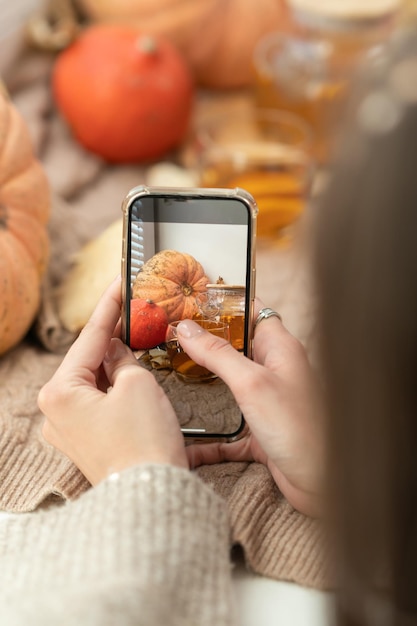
(307, 67)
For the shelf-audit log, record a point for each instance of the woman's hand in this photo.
(279, 398)
(106, 430)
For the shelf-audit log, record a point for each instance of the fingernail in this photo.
(188, 329)
(115, 351)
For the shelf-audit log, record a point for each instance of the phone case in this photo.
(131, 262)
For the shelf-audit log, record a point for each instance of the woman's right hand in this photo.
(102, 409)
(279, 396)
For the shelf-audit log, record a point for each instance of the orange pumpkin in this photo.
(24, 210)
(172, 280)
(217, 37)
(126, 96)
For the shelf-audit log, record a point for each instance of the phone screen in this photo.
(189, 257)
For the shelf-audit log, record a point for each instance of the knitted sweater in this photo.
(148, 546)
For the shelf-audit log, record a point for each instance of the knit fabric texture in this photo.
(118, 555)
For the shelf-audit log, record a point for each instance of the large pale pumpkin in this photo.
(217, 37)
(172, 280)
(24, 210)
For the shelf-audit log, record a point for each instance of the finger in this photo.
(117, 357)
(118, 329)
(220, 357)
(258, 306)
(139, 391)
(129, 379)
(217, 452)
(271, 340)
(91, 345)
(214, 353)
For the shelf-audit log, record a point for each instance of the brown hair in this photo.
(366, 271)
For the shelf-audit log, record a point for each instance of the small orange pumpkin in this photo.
(172, 280)
(126, 96)
(217, 37)
(24, 211)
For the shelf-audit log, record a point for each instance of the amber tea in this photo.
(226, 304)
(266, 152)
(236, 324)
(184, 366)
(280, 191)
(181, 363)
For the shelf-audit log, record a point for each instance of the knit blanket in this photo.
(86, 197)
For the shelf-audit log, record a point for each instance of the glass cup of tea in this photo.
(187, 369)
(268, 153)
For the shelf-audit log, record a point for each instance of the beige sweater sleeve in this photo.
(149, 546)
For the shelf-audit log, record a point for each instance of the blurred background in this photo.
(214, 93)
(254, 92)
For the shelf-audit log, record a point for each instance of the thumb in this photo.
(214, 353)
(117, 357)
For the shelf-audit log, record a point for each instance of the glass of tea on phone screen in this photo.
(183, 364)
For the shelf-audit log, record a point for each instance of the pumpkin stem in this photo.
(147, 44)
(187, 290)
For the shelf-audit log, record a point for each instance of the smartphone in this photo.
(189, 254)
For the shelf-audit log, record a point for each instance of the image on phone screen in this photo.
(189, 258)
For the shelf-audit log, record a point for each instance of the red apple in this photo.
(148, 324)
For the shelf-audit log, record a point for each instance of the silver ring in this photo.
(265, 313)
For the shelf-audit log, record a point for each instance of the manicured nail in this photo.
(115, 351)
(188, 329)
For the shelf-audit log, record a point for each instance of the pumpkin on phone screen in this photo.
(148, 324)
(126, 96)
(24, 211)
(172, 280)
